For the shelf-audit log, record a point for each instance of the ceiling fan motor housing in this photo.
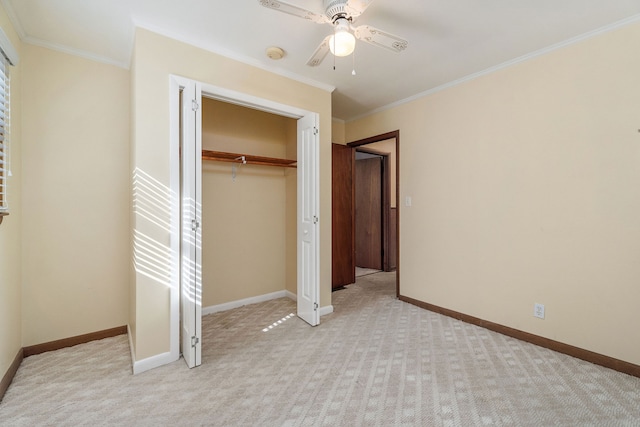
(334, 8)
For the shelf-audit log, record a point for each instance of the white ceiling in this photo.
(449, 40)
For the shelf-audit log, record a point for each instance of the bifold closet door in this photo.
(191, 233)
(308, 297)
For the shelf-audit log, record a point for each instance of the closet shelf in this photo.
(221, 156)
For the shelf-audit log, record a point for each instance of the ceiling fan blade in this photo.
(295, 11)
(320, 53)
(380, 38)
(356, 8)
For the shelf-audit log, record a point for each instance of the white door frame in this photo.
(233, 97)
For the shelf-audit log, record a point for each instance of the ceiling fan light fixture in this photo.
(340, 15)
(342, 42)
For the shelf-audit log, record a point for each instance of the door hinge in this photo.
(194, 341)
(194, 105)
(194, 225)
(315, 219)
(315, 131)
(315, 306)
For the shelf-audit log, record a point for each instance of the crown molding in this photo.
(571, 41)
(234, 56)
(13, 17)
(75, 52)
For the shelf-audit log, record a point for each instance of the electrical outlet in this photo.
(538, 310)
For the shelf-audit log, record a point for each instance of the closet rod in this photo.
(221, 156)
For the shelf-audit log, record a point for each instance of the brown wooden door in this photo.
(343, 267)
(369, 213)
(393, 239)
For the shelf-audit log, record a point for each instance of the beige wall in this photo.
(10, 229)
(525, 189)
(244, 222)
(155, 58)
(338, 132)
(75, 195)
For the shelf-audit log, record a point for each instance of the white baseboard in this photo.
(260, 298)
(140, 366)
(246, 301)
(327, 309)
(156, 361)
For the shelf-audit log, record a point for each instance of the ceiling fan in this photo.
(340, 14)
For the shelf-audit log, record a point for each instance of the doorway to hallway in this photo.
(365, 207)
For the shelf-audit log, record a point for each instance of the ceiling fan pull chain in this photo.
(353, 71)
(333, 41)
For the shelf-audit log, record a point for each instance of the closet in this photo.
(249, 216)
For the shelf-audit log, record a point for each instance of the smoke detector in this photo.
(275, 53)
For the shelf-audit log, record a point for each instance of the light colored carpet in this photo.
(361, 271)
(375, 361)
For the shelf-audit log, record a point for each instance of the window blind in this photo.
(4, 130)
(8, 57)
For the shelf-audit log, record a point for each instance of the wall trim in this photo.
(78, 53)
(26, 38)
(7, 48)
(205, 44)
(577, 352)
(11, 372)
(71, 341)
(291, 295)
(241, 302)
(523, 58)
(140, 366)
(17, 26)
(327, 309)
